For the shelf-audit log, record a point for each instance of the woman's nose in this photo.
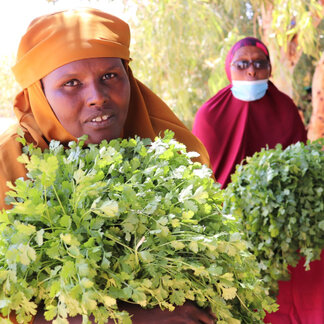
(251, 71)
(97, 95)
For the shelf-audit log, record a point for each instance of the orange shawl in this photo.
(57, 39)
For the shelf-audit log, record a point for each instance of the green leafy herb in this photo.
(130, 220)
(278, 196)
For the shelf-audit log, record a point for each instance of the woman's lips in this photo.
(100, 118)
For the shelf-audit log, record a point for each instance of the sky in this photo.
(15, 16)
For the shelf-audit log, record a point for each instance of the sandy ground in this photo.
(5, 122)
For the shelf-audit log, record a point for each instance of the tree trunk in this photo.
(283, 75)
(316, 124)
(285, 61)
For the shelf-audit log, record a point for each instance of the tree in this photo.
(179, 47)
(174, 52)
(289, 29)
(316, 124)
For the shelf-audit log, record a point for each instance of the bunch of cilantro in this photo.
(278, 196)
(131, 220)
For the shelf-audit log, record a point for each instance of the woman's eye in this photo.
(72, 83)
(108, 76)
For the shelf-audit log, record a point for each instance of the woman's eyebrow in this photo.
(63, 77)
(79, 71)
(113, 66)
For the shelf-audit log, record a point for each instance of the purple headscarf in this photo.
(248, 41)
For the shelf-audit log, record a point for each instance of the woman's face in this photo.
(251, 73)
(90, 96)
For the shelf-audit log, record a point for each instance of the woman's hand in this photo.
(189, 313)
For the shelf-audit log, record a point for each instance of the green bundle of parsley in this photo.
(131, 220)
(278, 196)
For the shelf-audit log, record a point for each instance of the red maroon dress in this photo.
(301, 299)
(232, 129)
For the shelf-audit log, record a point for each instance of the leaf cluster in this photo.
(130, 220)
(278, 197)
(191, 58)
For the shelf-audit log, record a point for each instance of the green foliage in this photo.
(179, 49)
(296, 17)
(303, 76)
(131, 220)
(303, 86)
(278, 197)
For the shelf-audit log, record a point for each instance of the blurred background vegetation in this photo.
(8, 86)
(179, 47)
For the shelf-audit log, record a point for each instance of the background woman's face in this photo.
(90, 96)
(249, 53)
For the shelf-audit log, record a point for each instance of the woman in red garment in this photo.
(238, 121)
(248, 114)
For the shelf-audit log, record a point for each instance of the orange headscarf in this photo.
(57, 39)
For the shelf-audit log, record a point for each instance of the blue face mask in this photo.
(249, 90)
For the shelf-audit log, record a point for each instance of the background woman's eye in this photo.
(72, 83)
(108, 76)
(261, 64)
(257, 64)
(241, 65)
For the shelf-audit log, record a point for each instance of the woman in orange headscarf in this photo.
(73, 68)
(56, 40)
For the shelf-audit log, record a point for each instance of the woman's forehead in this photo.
(101, 64)
(93, 61)
(249, 52)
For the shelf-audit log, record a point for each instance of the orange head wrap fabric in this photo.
(60, 38)
(57, 39)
